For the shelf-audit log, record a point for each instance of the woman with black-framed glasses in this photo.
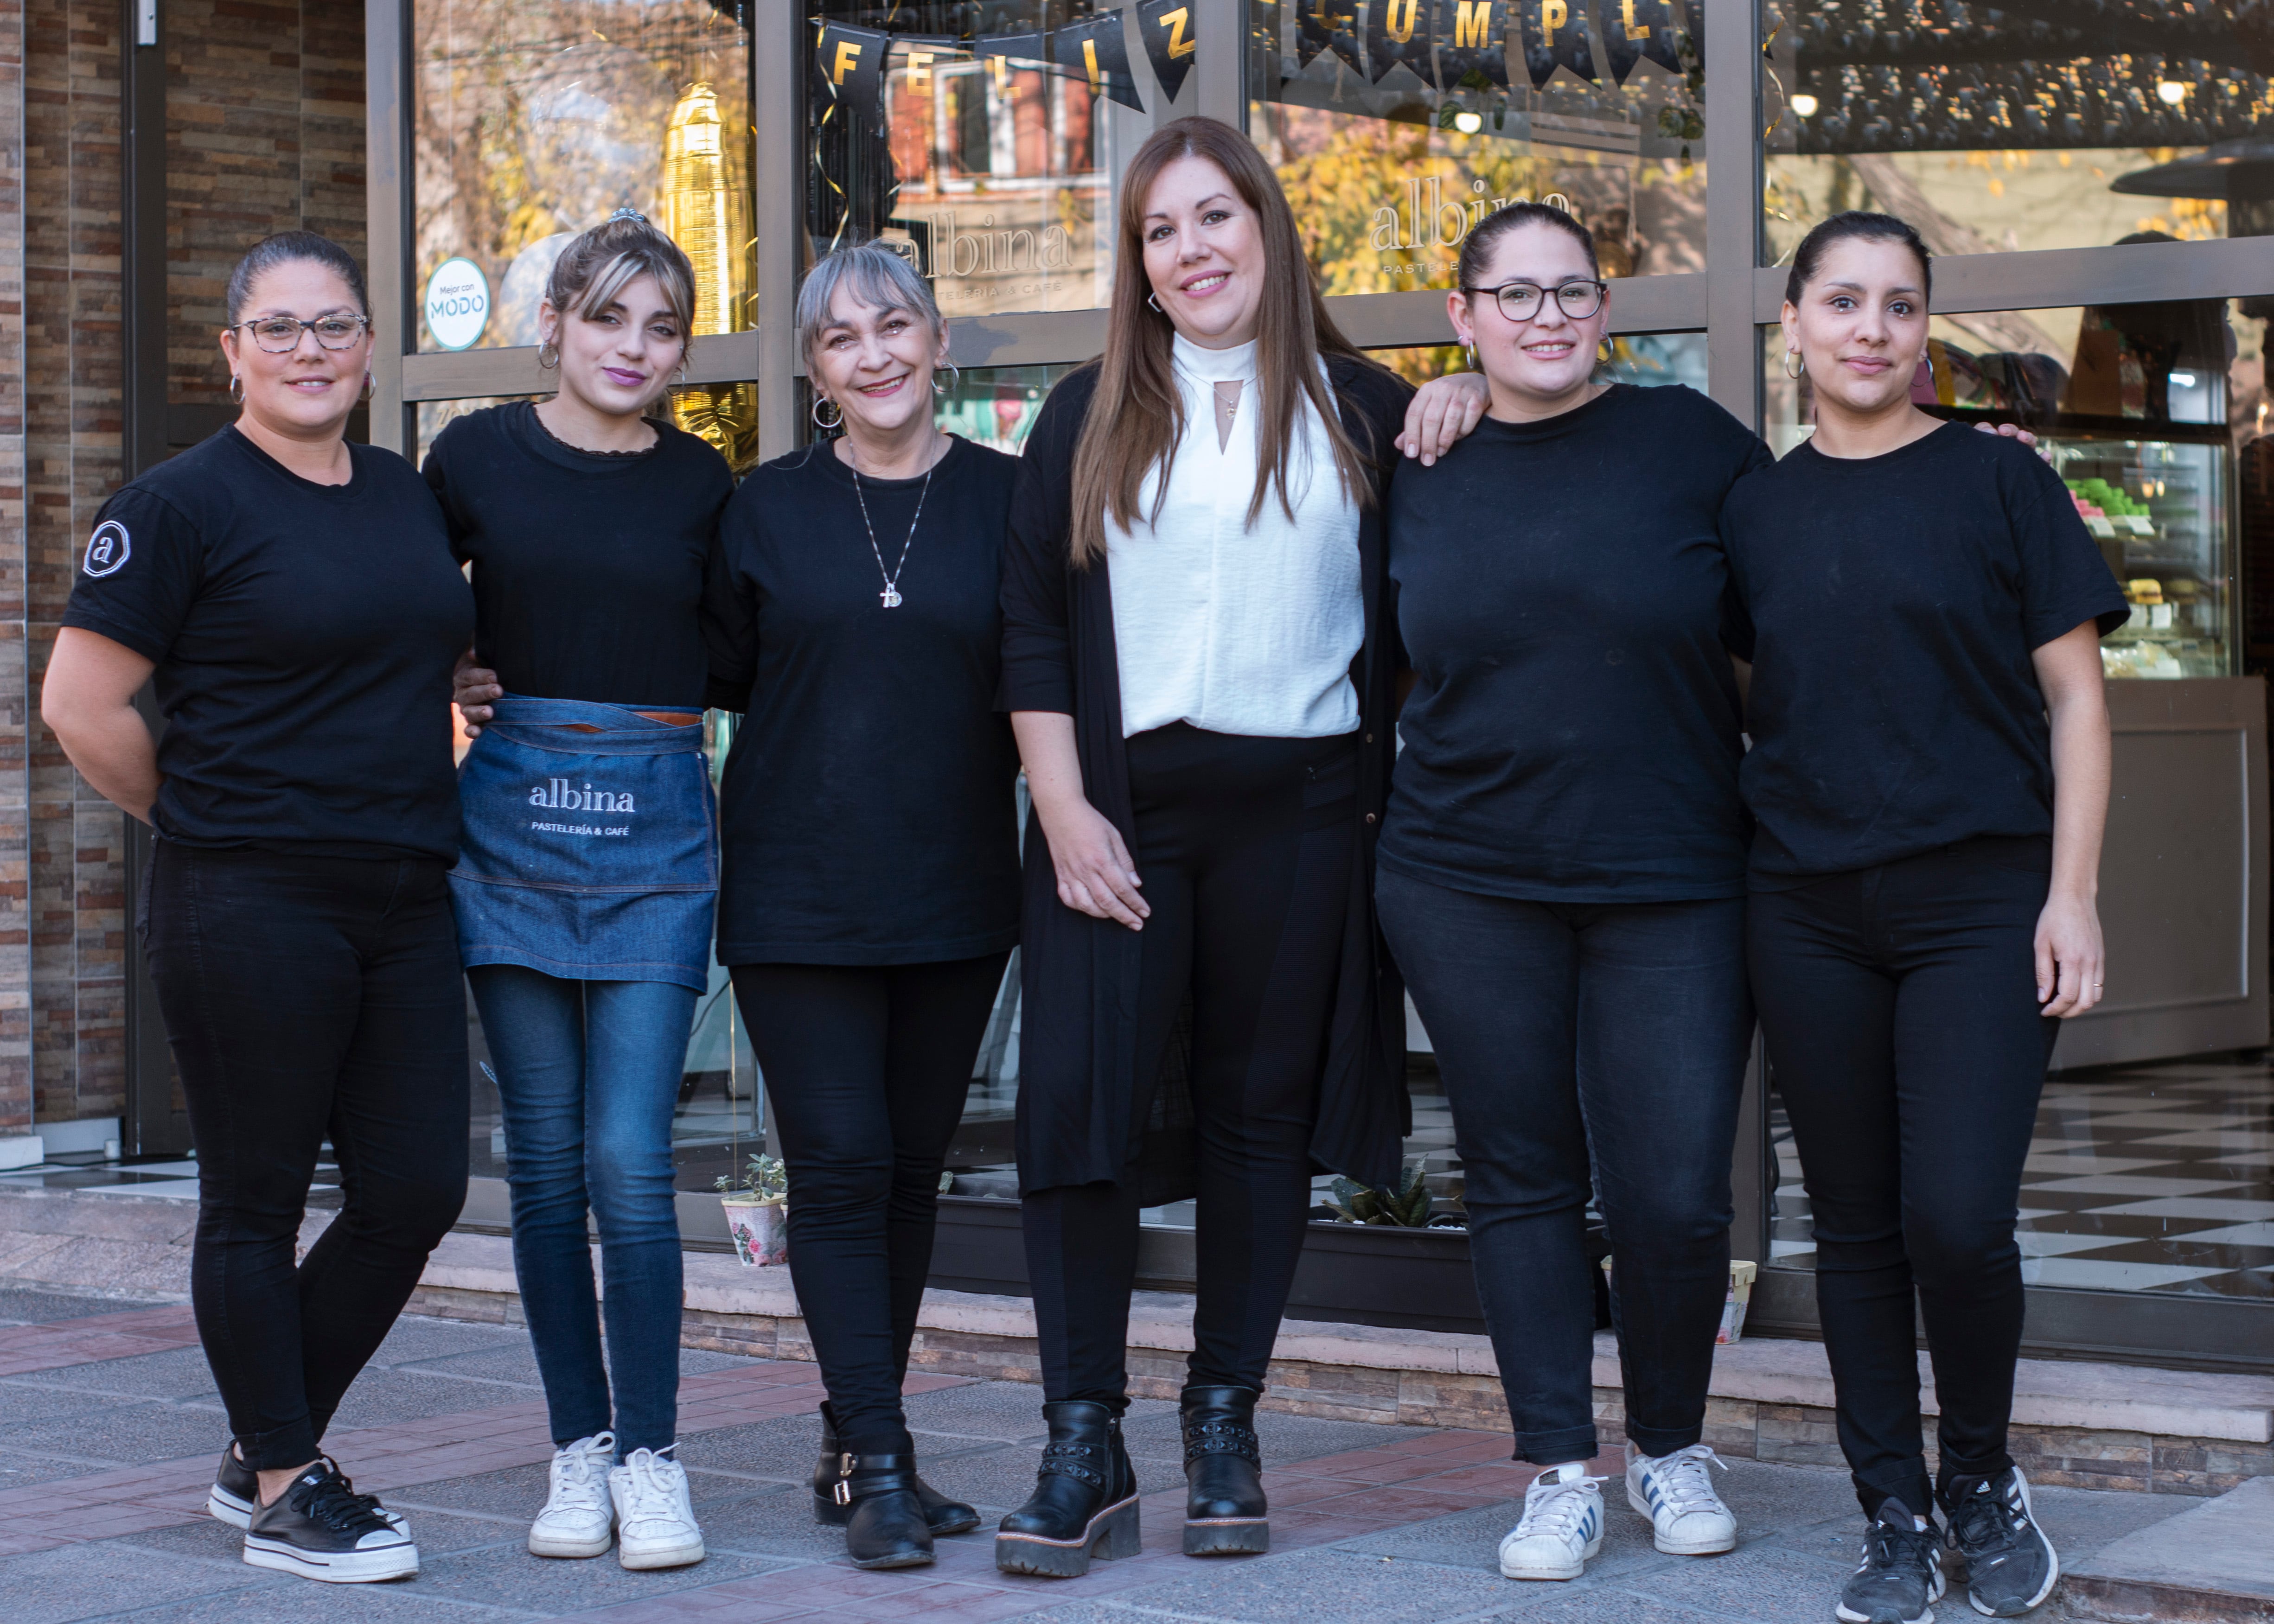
(1563, 872)
(295, 597)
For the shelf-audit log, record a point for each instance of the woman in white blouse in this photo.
(1191, 601)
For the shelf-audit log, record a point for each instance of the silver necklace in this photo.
(891, 595)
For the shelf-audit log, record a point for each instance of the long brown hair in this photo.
(1138, 413)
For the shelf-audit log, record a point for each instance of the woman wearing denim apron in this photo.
(869, 900)
(587, 877)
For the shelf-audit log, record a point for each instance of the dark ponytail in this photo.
(293, 248)
(1808, 259)
(1477, 247)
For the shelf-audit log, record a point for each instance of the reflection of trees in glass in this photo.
(1383, 206)
(538, 118)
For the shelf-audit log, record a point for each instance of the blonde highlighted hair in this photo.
(598, 265)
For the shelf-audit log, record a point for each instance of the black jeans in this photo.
(307, 998)
(1245, 846)
(1588, 1044)
(867, 1069)
(1900, 1004)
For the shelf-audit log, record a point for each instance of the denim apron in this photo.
(591, 856)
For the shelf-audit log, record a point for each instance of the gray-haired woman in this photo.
(869, 897)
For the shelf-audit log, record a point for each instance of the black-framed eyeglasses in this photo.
(1519, 301)
(281, 335)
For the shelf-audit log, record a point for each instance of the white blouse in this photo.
(1234, 627)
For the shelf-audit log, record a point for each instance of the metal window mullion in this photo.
(1732, 204)
(777, 110)
(2064, 278)
(387, 193)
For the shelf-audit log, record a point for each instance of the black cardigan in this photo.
(1079, 1039)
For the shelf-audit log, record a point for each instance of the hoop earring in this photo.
(1471, 348)
(827, 423)
(548, 354)
(235, 389)
(954, 380)
(1156, 303)
(1794, 364)
(368, 387)
(1605, 352)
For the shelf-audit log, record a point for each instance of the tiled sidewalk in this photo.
(109, 1427)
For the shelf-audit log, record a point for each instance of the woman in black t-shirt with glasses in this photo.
(869, 898)
(1930, 779)
(295, 597)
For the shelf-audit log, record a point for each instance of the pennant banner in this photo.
(1636, 31)
(1327, 25)
(1397, 31)
(1000, 52)
(1166, 27)
(1095, 49)
(1555, 37)
(852, 61)
(1473, 38)
(917, 55)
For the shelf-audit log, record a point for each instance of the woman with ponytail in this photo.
(1197, 667)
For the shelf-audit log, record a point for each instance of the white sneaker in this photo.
(655, 1524)
(1561, 1526)
(579, 1519)
(1676, 1492)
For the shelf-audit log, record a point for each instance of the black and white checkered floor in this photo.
(2147, 1179)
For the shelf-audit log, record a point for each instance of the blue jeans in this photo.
(587, 1074)
(1586, 1045)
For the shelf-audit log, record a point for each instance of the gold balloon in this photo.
(705, 208)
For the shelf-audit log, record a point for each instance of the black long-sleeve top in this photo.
(1079, 1040)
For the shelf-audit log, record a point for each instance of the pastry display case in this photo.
(2158, 509)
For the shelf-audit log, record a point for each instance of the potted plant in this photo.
(757, 1211)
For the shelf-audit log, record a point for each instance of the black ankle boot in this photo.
(884, 1522)
(1084, 1498)
(941, 1514)
(1223, 1468)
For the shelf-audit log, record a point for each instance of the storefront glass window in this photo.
(2149, 412)
(991, 172)
(2045, 124)
(1394, 134)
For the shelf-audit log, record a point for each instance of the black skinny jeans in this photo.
(1900, 1004)
(309, 997)
(1588, 1045)
(867, 1069)
(1245, 846)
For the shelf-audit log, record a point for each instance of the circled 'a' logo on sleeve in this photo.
(108, 549)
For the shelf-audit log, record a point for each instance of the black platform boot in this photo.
(884, 1522)
(1223, 1468)
(1084, 1498)
(941, 1514)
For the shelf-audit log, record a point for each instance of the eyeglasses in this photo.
(1519, 301)
(281, 335)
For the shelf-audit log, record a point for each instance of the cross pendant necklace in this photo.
(890, 596)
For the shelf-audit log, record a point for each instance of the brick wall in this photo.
(264, 133)
(15, 955)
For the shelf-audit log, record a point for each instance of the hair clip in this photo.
(628, 213)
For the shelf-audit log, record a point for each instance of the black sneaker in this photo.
(320, 1528)
(2010, 1565)
(1900, 1573)
(235, 1493)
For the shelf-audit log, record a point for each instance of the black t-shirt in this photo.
(1896, 601)
(1573, 731)
(304, 635)
(867, 812)
(588, 567)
